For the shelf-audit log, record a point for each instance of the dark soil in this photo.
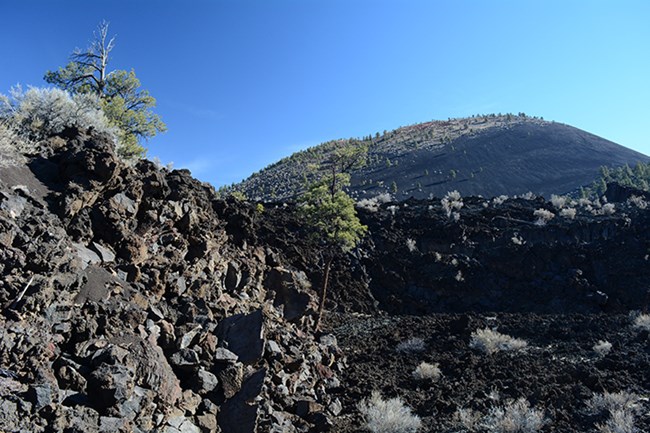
(558, 371)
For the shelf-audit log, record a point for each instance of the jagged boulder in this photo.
(243, 335)
(292, 292)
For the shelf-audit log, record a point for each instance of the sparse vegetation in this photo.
(602, 348)
(515, 417)
(411, 245)
(642, 321)
(490, 341)
(543, 216)
(28, 117)
(569, 213)
(412, 345)
(451, 204)
(134, 299)
(384, 154)
(426, 371)
(620, 408)
(388, 416)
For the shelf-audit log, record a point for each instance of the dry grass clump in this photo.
(38, 113)
(426, 371)
(569, 213)
(517, 240)
(467, 419)
(388, 416)
(608, 209)
(638, 202)
(620, 408)
(412, 345)
(642, 321)
(451, 204)
(612, 401)
(372, 204)
(411, 245)
(559, 201)
(620, 421)
(514, 417)
(11, 144)
(543, 216)
(602, 348)
(490, 341)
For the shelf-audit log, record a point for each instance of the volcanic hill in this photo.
(488, 155)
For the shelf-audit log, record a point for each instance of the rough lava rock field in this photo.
(558, 372)
(134, 300)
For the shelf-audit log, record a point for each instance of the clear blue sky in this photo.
(242, 83)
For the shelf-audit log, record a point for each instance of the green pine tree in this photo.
(329, 213)
(126, 106)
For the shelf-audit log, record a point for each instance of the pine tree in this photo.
(125, 105)
(329, 212)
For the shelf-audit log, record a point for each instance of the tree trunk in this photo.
(323, 293)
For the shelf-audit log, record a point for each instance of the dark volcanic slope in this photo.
(487, 156)
(542, 158)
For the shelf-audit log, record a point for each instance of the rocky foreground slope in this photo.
(133, 299)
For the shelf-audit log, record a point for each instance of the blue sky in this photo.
(243, 83)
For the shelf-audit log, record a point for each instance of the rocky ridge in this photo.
(501, 255)
(507, 254)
